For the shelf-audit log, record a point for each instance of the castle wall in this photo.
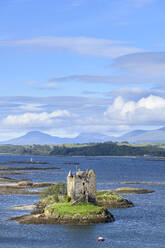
(82, 184)
(92, 186)
(78, 187)
(70, 187)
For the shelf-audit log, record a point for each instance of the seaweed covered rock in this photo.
(130, 190)
(110, 199)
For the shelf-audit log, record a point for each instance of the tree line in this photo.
(91, 149)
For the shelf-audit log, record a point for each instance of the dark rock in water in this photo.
(15, 190)
(110, 199)
(143, 183)
(24, 162)
(27, 168)
(26, 184)
(71, 163)
(128, 190)
(120, 203)
(23, 207)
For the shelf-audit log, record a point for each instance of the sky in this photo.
(74, 66)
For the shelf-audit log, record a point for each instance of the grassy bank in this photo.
(65, 209)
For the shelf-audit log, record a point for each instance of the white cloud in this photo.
(123, 79)
(43, 119)
(76, 45)
(101, 115)
(146, 111)
(148, 64)
(30, 107)
(134, 93)
(139, 68)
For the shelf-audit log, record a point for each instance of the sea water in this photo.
(142, 226)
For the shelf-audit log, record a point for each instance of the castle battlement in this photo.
(82, 183)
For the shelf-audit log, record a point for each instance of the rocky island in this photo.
(65, 213)
(76, 202)
(75, 205)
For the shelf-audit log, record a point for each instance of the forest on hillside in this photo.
(91, 149)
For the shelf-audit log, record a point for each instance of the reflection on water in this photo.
(141, 226)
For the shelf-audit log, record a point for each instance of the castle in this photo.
(82, 185)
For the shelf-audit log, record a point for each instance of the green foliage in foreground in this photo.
(107, 196)
(59, 188)
(90, 149)
(65, 209)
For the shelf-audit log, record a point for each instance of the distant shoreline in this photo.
(160, 158)
(106, 149)
(82, 156)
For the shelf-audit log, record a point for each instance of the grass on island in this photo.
(107, 196)
(66, 209)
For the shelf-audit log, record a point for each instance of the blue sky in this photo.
(77, 66)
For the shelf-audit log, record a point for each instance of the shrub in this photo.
(65, 198)
(56, 199)
(59, 188)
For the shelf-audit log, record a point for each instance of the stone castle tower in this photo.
(82, 184)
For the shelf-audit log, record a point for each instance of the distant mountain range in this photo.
(36, 137)
(136, 136)
(144, 136)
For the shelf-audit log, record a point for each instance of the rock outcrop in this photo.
(129, 190)
(101, 216)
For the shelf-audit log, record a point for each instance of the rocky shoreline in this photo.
(102, 216)
(123, 203)
(110, 199)
(10, 186)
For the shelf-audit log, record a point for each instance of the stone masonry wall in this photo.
(82, 184)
